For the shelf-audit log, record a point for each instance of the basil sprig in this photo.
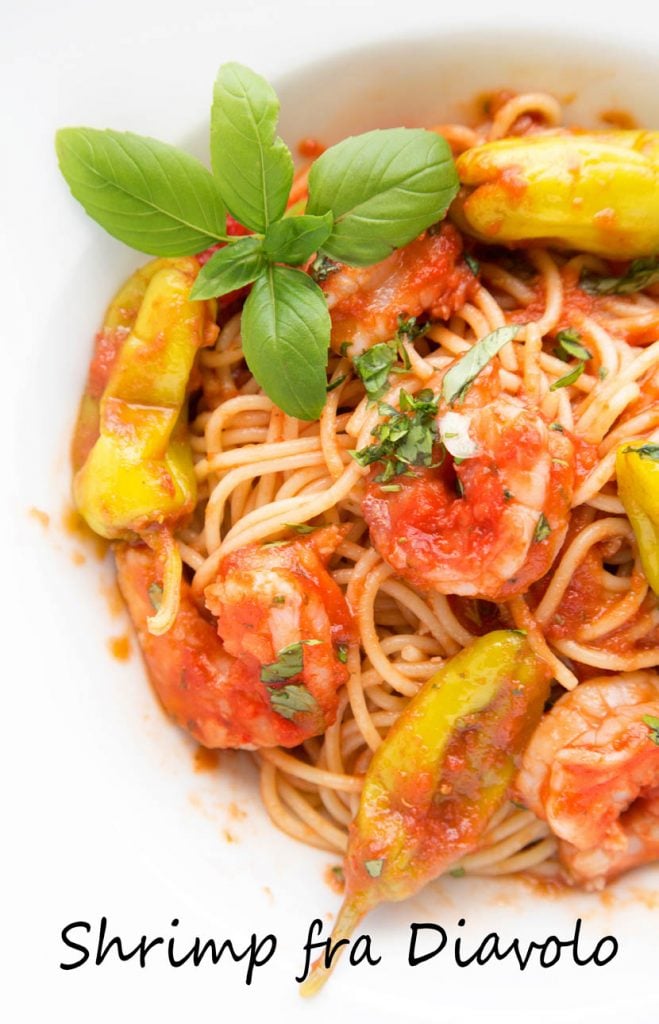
(368, 195)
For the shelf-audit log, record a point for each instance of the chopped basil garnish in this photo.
(403, 440)
(289, 663)
(644, 451)
(302, 528)
(374, 867)
(342, 653)
(542, 529)
(473, 265)
(569, 346)
(641, 274)
(287, 701)
(457, 379)
(374, 367)
(155, 595)
(410, 329)
(653, 725)
(336, 383)
(569, 378)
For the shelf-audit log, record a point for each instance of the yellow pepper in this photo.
(593, 191)
(118, 321)
(637, 470)
(445, 767)
(138, 478)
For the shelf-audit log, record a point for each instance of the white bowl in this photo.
(111, 818)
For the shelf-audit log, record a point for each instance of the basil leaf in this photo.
(285, 332)
(289, 662)
(146, 193)
(287, 701)
(229, 268)
(254, 169)
(294, 239)
(542, 529)
(384, 187)
(641, 274)
(569, 346)
(457, 379)
(569, 378)
(374, 367)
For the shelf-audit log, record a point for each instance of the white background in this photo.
(103, 812)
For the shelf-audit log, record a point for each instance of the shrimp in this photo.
(591, 771)
(267, 672)
(426, 276)
(487, 525)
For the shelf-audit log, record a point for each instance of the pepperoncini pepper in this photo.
(593, 191)
(443, 770)
(637, 470)
(137, 478)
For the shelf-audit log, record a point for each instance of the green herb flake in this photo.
(321, 268)
(473, 264)
(391, 488)
(290, 700)
(602, 373)
(289, 663)
(336, 383)
(302, 528)
(457, 873)
(569, 378)
(653, 725)
(410, 328)
(338, 873)
(457, 379)
(569, 346)
(648, 451)
(155, 595)
(558, 427)
(641, 274)
(373, 369)
(278, 599)
(374, 867)
(342, 653)
(542, 529)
